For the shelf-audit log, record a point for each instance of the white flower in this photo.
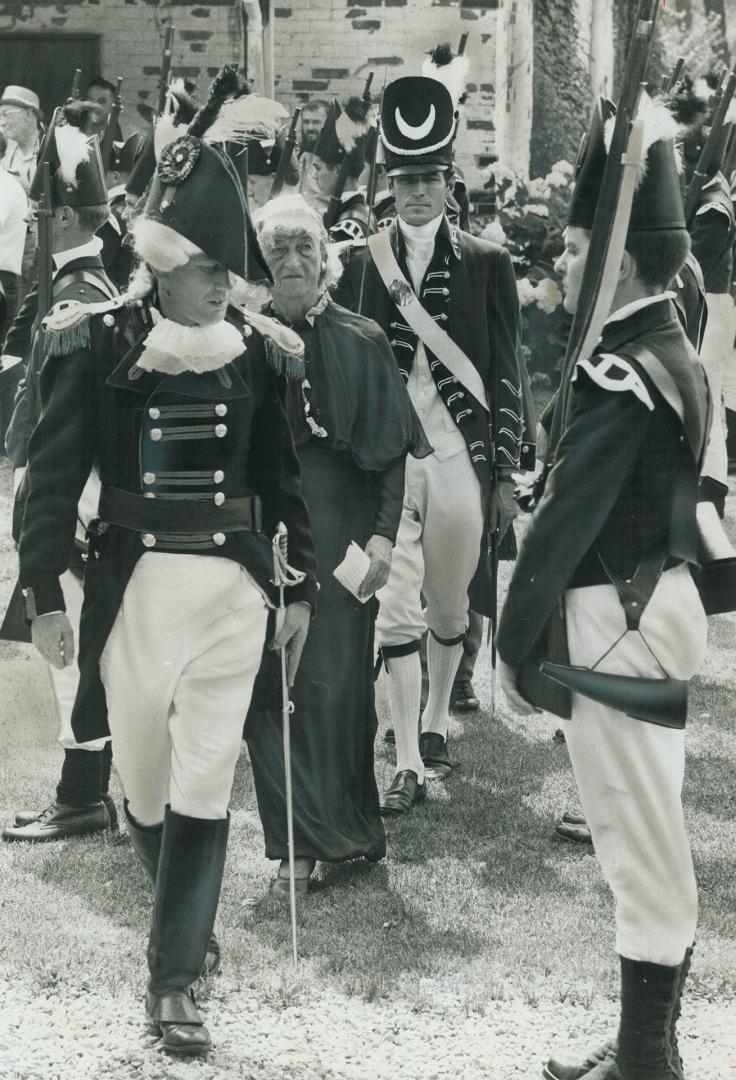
(537, 208)
(501, 172)
(537, 189)
(494, 232)
(563, 167)
(547, 295)
(525, 290)
(555, 179)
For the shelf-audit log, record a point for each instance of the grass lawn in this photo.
(477, 918)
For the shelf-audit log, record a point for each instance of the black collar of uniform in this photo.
(85, 262)
(646, 320)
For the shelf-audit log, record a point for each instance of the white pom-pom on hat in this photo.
(73, 148)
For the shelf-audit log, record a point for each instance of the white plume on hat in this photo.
(451, 70)
(73, 148)
(659, 125)
(248, 117)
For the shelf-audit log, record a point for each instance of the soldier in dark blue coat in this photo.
(79, 201)
(465, 383)
(173, 396)
(611, 544)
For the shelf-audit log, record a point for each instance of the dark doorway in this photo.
(46, 63)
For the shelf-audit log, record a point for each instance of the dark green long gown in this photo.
(353, 484)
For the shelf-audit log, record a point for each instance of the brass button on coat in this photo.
(221, 431)
(154, 413)
(149, 478)
(219, 498)
(156, 433)
(219, 539)
(221, 409)
(148, 540)
(218, 476)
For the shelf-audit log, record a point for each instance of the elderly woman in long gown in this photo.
(353, 425)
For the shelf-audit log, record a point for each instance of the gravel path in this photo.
(327, 1037)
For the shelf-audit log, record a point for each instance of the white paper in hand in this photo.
(352, 570)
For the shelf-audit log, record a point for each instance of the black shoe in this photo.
(577, 833)
(174, 1016)
(433, 751)
(559, 735)
(560, 1070)
(462, 697)
(26, 817)
(404, 793)
(574, 817)
(59, 821)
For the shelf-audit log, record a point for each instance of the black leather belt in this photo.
(164, 516)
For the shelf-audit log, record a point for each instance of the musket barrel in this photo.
(706, 160)
(168, 49)
(76, 90)
(286, 152)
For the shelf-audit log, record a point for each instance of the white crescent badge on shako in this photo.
(416, 132)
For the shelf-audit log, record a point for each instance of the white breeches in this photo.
(630, 773)
(716, 354)
(436, 553)
(178, 670)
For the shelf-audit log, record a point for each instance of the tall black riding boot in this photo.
(674, 1049)
(146, 841)
(650, 995)
(188, 884)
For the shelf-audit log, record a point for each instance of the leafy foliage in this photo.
(528, 217)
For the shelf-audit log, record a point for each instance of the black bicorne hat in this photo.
(658, 198)
(418, 124)
(196, 190)
(125, 154)
(77, 173)
(344, 132)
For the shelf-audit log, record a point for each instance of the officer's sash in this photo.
(434, 338)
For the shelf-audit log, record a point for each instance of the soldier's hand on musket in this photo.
(517, 703)
(292, 635)
(53, 636)
(378, 549)
(503, 508)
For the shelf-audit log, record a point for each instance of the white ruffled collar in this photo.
(173, 348)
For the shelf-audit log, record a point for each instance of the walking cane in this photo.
(283, 576)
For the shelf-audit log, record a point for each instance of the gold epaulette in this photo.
(67, 326)
(284, 347)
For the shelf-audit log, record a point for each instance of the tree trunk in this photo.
(601, 48)
(514, 87)
(562, 83)
(718, 8)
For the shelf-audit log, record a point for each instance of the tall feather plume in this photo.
(659, 125)
(183, 104)
(228, 83)
(244, 118)
(688, 106)
(72, 145)
(82, 115)
(443, 65)
(352, 123)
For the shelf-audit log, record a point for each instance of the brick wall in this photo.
(321, 47)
